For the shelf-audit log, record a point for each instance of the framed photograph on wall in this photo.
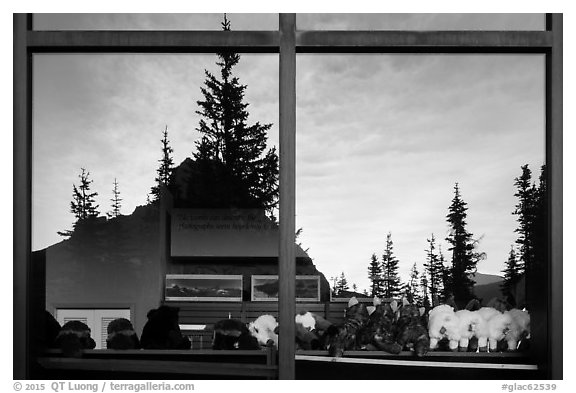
(265, 288)
(203, 287)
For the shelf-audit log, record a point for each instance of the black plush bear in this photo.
(121, 335)
(73, 338)
(162, 330)
(233, 334)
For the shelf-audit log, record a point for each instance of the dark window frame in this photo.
(287, 41)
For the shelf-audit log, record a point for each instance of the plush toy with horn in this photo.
(339, 338)
(411, 329)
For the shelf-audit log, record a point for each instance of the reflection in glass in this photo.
(420, 21)
(382, 142)
(110, 133)
(153, 21)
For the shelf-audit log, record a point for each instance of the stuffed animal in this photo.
(264, 330)
(73, 338)
(46, 337)
(340, 338)
(379, 332)
(121, 335)
(498, 327)
(162, 331)
(411, 332)
(468, 322)
(519, 328)
(311, 330)
(482, 332)
(443, 323)
(233, 334)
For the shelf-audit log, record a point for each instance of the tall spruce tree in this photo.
(446, 276)
(525, 210)
(512, 273)
(411, 289)
(532, 212)
(116, 201)
(391, 279)
(464, 257)
(540, 230)
(433, 266)
(165, 170)
(242, 171)
(83, 204)
(424, 286)
(375, 276)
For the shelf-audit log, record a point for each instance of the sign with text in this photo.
(223, 233)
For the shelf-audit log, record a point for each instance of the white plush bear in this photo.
(498, 327)
(482, 328)
(443, 322)
(263, 329)
(519, 328)
(468, 322)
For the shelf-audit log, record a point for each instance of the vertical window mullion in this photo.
(554, 141)
(287, 261)
(22, 172)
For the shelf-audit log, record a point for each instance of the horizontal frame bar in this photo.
(153, 41)
(156, 367)
(306, 41)
(423, 41)
(418, 363)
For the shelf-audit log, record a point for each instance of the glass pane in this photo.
(153, 21)
(122, 125)
(382, 142)
(421, 21)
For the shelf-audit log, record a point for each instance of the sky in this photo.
(381, 139)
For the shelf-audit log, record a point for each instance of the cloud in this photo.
(381, 150)
(381, 140)
(106, 113)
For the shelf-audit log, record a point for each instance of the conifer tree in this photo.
(116, 205)
(540, 231)
(341, 284)
(433, 266)
(532, 212)
(243, 173)
(164, 171)
(375, 276)
(464, 257)
(525, 210)
(424, 285)
(391, 279)
(83, 204)
(512, 273)
(411, 289)
(446, 276)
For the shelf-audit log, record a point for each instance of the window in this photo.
(547, 348)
